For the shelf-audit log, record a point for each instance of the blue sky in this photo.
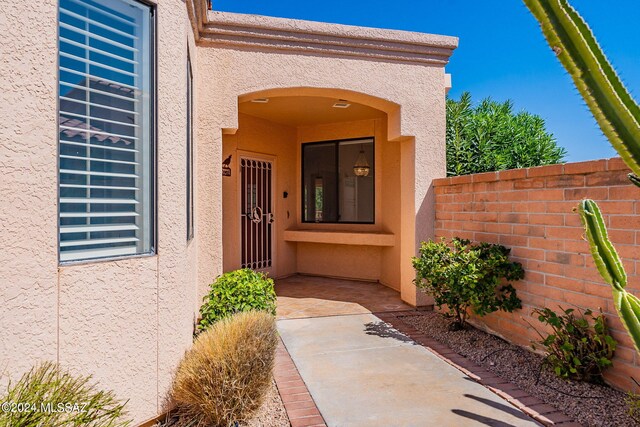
(502, 53)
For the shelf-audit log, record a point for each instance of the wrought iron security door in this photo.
(256, 213)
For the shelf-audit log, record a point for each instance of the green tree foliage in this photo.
(491, 137)
(467, 276)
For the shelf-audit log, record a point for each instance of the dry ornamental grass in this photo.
(226, 375)
(49, 396)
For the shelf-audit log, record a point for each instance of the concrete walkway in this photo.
(362, 372)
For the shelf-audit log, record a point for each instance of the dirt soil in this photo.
(588, 404)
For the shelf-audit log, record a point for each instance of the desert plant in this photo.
(610, 268)
(618, 116)
(579, 346)
(237, 291)
(633, 403)
(467, 276)
(225, 376)
(49, 396)
(491, 137)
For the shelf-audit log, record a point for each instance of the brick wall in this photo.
(530, 211)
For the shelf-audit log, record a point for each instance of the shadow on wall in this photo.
(426, 217)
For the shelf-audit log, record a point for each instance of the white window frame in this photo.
(147, 215)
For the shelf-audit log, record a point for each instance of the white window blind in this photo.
(105, 150)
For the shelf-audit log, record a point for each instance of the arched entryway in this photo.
(314, 185)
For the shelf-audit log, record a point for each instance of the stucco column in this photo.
(412, 223)
(423, 159)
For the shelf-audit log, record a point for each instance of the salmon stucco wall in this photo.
(260, 137)
(345, 260)
(255, 138)
(129, 321)
(126, 322)
(419, 130)
(28, 187)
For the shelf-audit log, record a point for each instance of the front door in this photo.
(256, 213)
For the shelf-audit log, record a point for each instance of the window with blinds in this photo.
(105, 129)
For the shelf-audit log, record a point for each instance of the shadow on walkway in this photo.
(384, 330)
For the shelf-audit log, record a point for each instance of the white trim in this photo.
(97, 64)
(96, 228)
(93, 200)
(86, 254)
(96, 50)
(96, 78)
(96, 37)
(98, 23)
(93, 104)
(96, 214)
(92, 173)
(105, 147)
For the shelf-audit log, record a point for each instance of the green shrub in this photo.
(237, 291)
(47, 397)
(467, 276)
(491, 137)
(579, 347)
(225, 376)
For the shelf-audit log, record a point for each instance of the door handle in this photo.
(255, 215)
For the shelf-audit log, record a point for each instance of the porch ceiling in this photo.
(308, 110)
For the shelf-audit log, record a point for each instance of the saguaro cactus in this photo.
(610, 268)
(617, 114)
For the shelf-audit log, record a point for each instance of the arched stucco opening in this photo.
(390, 108)
(266, 225)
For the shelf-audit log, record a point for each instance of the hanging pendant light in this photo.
(361, 167)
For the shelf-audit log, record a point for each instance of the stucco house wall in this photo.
(340, 260)
(257, 136)
(128, 322)
(260, 136)
(410, 88)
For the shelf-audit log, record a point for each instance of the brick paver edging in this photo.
(298, 403)
(530, 405)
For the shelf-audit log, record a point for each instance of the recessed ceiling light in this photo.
(342, 103)
(260, 100)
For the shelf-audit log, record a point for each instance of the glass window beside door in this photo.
(338, 181)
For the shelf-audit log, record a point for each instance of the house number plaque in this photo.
(226, 168)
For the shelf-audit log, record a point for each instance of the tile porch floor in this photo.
(308, 296)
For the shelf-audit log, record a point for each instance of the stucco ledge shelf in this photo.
(341, 237)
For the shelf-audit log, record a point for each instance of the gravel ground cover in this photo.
(271, 414)
(588, 404)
